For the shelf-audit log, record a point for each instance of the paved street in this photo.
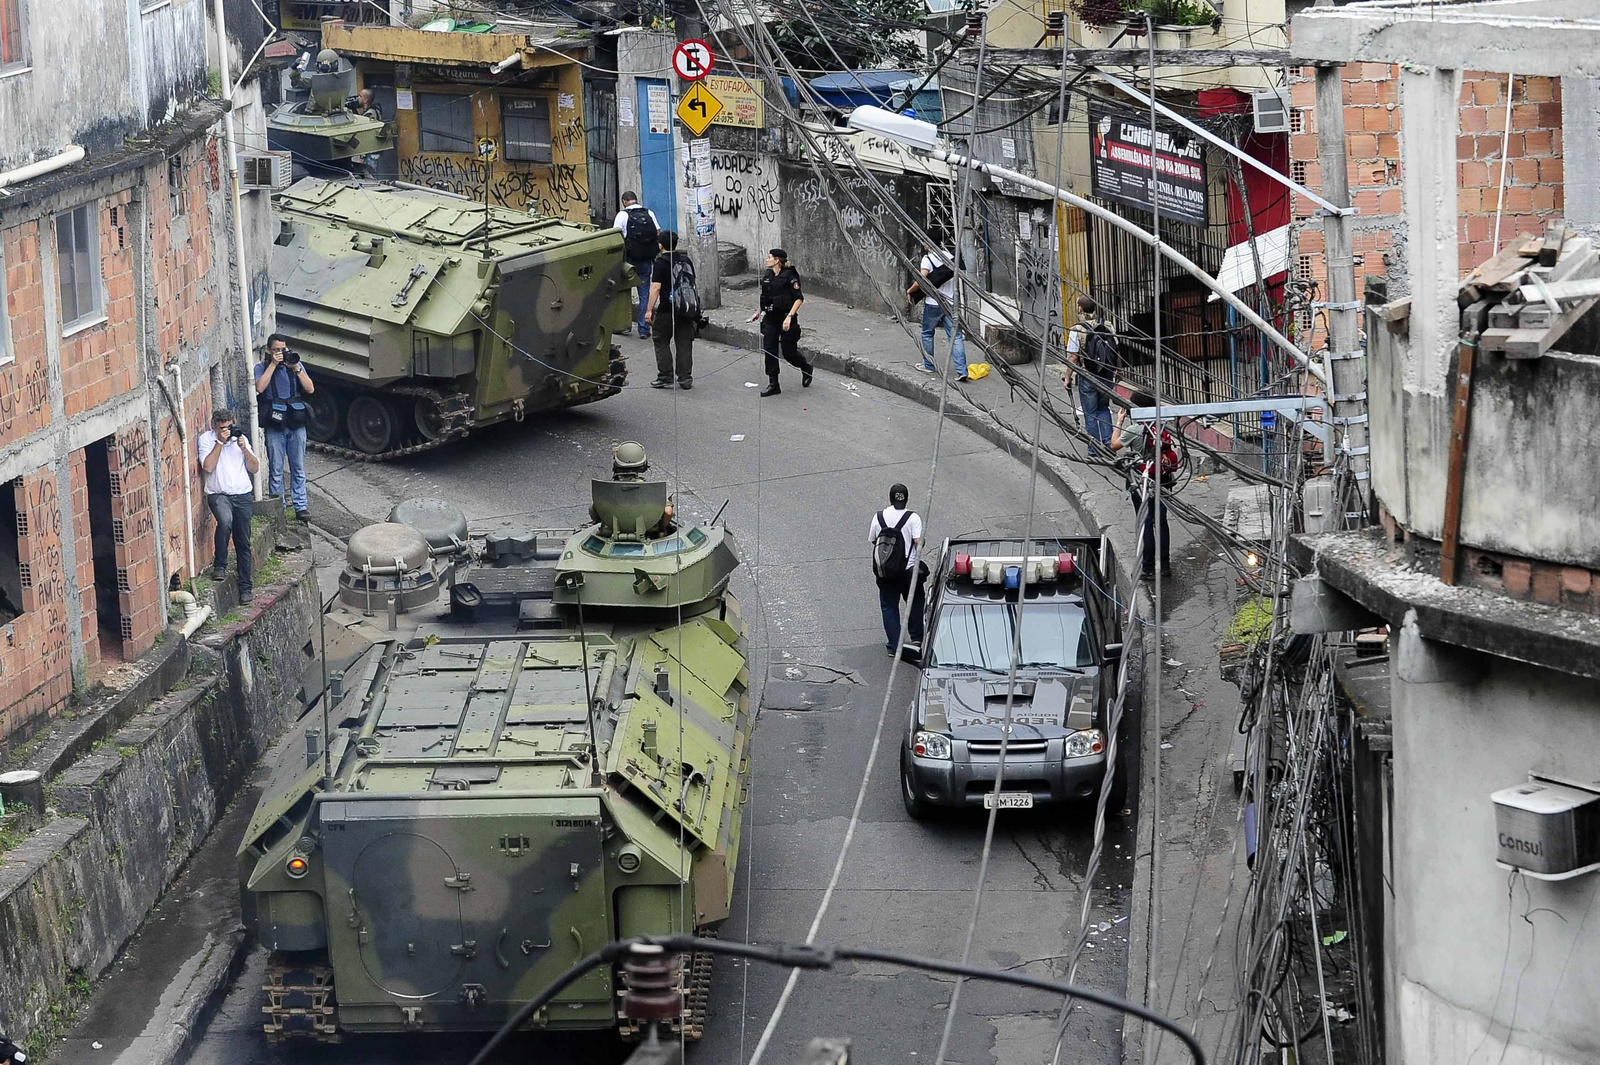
(802, 472)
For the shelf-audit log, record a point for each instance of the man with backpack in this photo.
(895, 535)
(674, 312)
(1092, 352)
(1141, 474)
(937, 271)
(639, 231)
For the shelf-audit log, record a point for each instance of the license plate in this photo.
(1008, 800)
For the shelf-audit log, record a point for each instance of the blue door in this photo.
(656, 165)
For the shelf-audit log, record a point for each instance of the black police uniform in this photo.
(779, 292)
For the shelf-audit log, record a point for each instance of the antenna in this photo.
(718, 514)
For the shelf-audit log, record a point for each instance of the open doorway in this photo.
(103, 534)
(10, 557)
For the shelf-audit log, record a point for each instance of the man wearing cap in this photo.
(898, 571)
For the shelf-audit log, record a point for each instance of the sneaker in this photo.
(644, 333)
(685, 383)
(661, 382)
(246, 596)
(303, 514)
(963, 379)
(1166, 571)
(771, 390)
(218, 572)
(890, 649)
(806, 375)
(925, 368)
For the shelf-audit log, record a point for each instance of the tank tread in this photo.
(694, 983)
(300, 1002)
(454, 407)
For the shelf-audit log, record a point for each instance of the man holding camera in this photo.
(230, 468)
(281, 385)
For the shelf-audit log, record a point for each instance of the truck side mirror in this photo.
(1114, 650)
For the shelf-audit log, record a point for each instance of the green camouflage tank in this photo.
(316, 123)
(540, 743)
(417, 329)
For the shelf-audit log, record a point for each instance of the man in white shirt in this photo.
(895, 535)
(639, 238)
(230, 465)
(1092, 358)
(933, 314)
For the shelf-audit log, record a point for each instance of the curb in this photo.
(1060, 475)
(223, 962)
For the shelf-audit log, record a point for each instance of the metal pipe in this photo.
(192, 626)
(189, 459)
(231, 150)
(44, 166)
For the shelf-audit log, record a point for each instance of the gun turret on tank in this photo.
(315, 123)
(422, 315)
(537, 743)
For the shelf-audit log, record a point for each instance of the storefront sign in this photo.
(742, 104)
(1119, 162)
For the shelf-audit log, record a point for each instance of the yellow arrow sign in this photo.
(698, 108)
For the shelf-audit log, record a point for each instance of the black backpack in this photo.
(639, 239)
(889, 549)
(685, 295)
(1099, 352)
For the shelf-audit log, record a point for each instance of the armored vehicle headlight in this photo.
(297, 867)
(630, 858)
(930, 745)
(1082, 744)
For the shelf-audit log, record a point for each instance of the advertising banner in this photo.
(1119, 163)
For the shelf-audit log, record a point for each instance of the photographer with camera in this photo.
(229, 466)
(281, 384)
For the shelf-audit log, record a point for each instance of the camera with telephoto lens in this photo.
(291, 357)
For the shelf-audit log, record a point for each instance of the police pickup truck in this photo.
(1065, 683)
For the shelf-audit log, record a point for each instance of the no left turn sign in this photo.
(692, 60)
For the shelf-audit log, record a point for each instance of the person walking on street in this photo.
(895, 534)
(780, 327)
(281, 382)
(1140, 481)
(229, 467)
(674, 312)
(1092, 358)
(938, 272)
(639, 231)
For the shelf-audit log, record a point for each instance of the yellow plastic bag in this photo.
(977, 370)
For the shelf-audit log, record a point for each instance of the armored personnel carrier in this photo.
(423, 315)
(315, 123)
(538, 743)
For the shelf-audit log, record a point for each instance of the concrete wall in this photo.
(1487, 965)
(639, 55)
(749, 199)
(1530, 488)
(844, 257)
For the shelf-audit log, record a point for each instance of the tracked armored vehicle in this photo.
(315, 123)
(418, 327)
(538, 743)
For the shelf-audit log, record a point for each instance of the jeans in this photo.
(233, 520)
(775, 339)
(932, 315)
(890, 595)
(287, 445)
(643, 270)
(1096, 410)
(670, 327)
(1147, 552)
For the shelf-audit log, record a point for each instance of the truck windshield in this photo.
(982, 634)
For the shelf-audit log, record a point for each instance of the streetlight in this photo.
(909, 131)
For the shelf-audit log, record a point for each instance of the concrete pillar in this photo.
(1428, 98)
(1580, 149)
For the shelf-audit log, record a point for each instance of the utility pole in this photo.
(1346, 360)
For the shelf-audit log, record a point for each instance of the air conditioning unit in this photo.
(1549, 831)
(1271, 108)
(266, 170)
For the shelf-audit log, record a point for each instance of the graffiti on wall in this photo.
(560, 190)
(745, 186)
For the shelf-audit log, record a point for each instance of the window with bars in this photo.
(525, 126)
(78, 264)
(942, 208)
(13, 34)
(445, 122)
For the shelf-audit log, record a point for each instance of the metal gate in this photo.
(600, 120)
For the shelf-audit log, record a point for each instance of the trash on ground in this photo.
(736, 436)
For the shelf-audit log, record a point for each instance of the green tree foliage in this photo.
(850, 34)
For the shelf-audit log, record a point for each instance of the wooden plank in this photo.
(1458, 460)
(1132, 57)
(1550, 250)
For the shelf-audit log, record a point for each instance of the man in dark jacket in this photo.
(780, 327)
(663, 316)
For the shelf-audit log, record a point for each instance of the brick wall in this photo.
(103, 361)
(180, 251)
(133, 509)
(35, 655)
(88, 617)
(1373, 132)
(24, 383)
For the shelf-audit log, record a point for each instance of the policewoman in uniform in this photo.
(780, 328)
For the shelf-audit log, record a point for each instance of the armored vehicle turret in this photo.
(423, 315)
(316, 123)
(538, 743)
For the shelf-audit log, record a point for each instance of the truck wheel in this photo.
(322, 415)
(915, 804)
(371, 424)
